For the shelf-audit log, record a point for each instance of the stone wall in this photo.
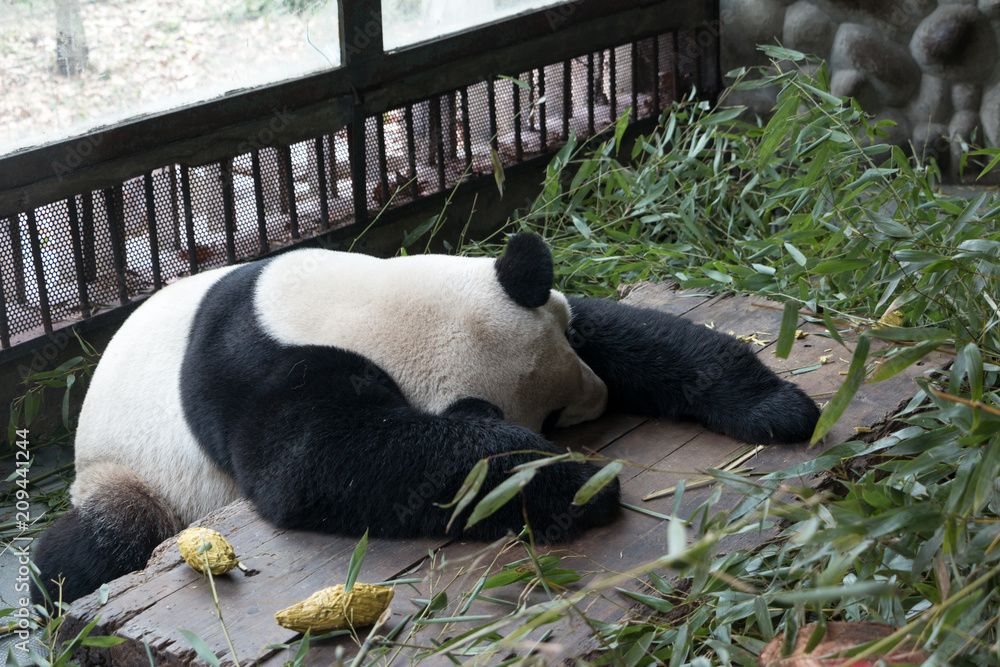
(932, 66)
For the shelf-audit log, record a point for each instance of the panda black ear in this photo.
(525, 270)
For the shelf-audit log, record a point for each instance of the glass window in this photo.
(411, 21)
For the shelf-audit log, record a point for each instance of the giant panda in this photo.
(325, 386)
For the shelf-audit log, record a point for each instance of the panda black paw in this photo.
(784, 416)
(547, 503)
(557, 519)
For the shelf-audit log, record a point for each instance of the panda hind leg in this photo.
(112, 532)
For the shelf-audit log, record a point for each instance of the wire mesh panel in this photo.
(100, 249)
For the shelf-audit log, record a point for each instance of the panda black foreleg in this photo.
(662, 365)
(335, 461)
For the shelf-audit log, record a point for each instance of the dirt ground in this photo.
(150, 55)
(146, 55)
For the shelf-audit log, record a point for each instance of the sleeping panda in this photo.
(327, 386)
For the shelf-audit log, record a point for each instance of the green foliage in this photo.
(357, 559)
(67, 380)
(58, 651)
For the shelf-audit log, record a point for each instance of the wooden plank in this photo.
(153, 605)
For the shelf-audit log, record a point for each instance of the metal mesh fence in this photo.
(70, 259)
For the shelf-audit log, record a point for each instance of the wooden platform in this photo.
(153, 604)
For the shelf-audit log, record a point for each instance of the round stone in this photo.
(955, 42)
(966, 96)
(808, 29)
(886, 64)
(990, 8)
(895, 19)
(933, 101)
(855, 83)
(745, 24)
(989, 112)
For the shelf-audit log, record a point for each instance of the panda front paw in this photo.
(555, 518)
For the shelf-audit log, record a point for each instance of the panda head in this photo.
(553, 385)
(444, 327)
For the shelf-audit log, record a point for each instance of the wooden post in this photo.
(361, 51)
(361, 36)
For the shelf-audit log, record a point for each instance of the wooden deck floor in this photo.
(153, 605)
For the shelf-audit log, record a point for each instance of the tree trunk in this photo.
(71, 41)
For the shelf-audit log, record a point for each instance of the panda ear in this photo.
(525, 270)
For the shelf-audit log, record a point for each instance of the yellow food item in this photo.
(892, 318)
(333, 609)
(221, 557)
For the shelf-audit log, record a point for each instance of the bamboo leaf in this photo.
(723, 116)
(831, 326)
(861, 589)
(838, 404)
(799, 258)
(659, 604)
(498, 173)
(763, 617)
(903, 360)
(419, 231)
(499, 496)
(103, 641)
(598, 481)
(786, 336)
(516, 81)
(357, 558)
(993, 163)
(910, 335)
(970, 363)
(840, 265)
(620, 127)
(891, 228)
(200, 647)
(469, 490)
(676, 536)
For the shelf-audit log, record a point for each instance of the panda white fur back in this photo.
(132, 414)
(325, 387)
